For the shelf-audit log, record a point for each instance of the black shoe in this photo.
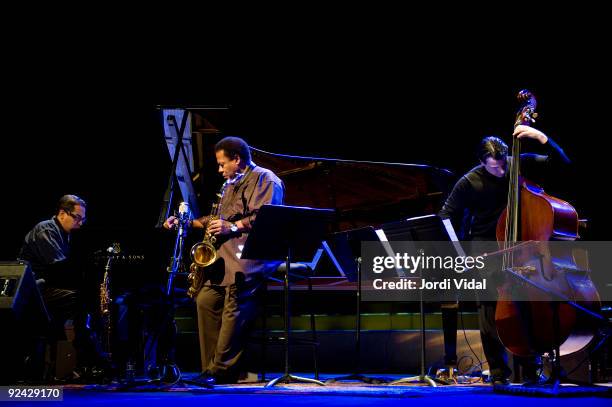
(225, 379)
(500, 381)
(500, 375)
(205, 379)
(532, 380)
(170, 374)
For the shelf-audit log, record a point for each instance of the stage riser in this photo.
(382, 351)
(393, 352)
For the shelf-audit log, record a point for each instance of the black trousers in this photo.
(495, 351)
(225, 318)
(62, 305)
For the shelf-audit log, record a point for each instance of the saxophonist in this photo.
(226, 303)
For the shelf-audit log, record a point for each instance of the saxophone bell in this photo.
(204, 253)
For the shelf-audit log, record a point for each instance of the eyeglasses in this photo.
(76, 217)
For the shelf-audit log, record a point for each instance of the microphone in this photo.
(184, 217)
(184, 212)
(114, 249)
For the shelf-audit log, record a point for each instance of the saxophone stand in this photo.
(292, 234)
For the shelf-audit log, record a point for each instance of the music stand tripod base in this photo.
(289, 378)
(415, 379)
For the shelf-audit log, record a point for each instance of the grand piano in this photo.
(362, 193)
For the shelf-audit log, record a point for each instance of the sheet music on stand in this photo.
(177, 126)
(177, 134)
(423, 236)
(279, 228)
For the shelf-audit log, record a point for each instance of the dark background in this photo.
(82, 120)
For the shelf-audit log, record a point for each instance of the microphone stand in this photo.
(169, 369)
(176, 264)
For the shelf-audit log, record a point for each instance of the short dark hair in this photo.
(493, 147)
(234, 146)
(68, 202)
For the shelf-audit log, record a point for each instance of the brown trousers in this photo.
(225, 316)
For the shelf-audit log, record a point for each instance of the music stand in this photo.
(428, 228)
(288, 233)
(348, 247)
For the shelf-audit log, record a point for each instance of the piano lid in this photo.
(362, 192)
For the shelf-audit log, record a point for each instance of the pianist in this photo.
(47, 248)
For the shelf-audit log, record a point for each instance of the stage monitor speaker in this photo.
(20, 299)
(23, 321)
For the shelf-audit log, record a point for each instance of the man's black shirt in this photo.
(47, 248)
(479, 198)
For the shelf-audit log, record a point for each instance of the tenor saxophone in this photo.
(106, 300)
(204, 253)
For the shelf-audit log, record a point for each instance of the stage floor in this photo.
(298, 394)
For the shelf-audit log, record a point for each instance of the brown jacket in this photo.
(241, 201)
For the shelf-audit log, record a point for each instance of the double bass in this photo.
(531, 316)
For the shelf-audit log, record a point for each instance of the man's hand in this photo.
(171, 223)
(522, 131)
(219, 227)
